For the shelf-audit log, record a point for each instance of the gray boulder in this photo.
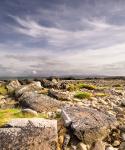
(59, 95)
(38, 102)
(88, 124)
(34, 86)
(29, 134)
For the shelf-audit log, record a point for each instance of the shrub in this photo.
(87, 86)
(82, 95)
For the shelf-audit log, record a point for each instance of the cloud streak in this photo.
(58, 37)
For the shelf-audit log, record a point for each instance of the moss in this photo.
(3, 90)
(100, 94)
(87, 86)
(82, 95)
(7, 114)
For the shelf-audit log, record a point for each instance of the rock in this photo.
(123, 103)
(87, 124)
(81, 146)
(99, 145)
(122, 128)
(122, 146)
(116, 143)
(29, 112)
(66, 141)
(111, 148)
(123, 136)
(49, 84)
(30, 134)
(13, 85)
(38, 102)
(34, 86)
(59, 95)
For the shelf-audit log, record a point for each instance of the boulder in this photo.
(38, 102)
(13, 85)
(49, 84)
(30, 134)
(59, 95)
(29, 112)
(89, 125)
(34, 86)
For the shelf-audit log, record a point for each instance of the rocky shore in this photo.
(62, 114)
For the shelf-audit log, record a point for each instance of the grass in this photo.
(72, 87)
(87, 86)
(3, 90)
(7, 114)
(82, 95)
(100, 95)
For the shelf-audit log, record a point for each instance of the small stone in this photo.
(123, 136)
(123, 102)
(81, 146)
(111, 148)
(116, 143)
(29, 112)
(73, 147)
(61, 139)
(122, 146)
(66, 141)
(99, 145)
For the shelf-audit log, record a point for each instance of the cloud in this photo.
(82, 37)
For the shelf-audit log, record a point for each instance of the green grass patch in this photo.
(82, 95)
(3, 90)
(87, 86)
(72, 87)
(7, 114)
(100, 95)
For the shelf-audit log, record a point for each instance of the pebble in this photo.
(122, 146)
(116, 143)
(81, 146)
(29, 112)
(123, 102)
(123, 136)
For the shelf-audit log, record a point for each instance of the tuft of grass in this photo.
(7, 114)
(117, 85)
(87, 86)
(3, 90)
(100, 94)
(72, 87)
(82, 95)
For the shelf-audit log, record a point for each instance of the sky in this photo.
(62, 37)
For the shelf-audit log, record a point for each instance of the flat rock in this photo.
(59, 95)
(38, 102)
(29, 134)
(88, 124)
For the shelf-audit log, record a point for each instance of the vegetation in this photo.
(7, 114)
(72, 87)
(82, 95)
(87, 86)
(100, 94)
(3, 90)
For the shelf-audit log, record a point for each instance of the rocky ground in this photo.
(62, 114)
